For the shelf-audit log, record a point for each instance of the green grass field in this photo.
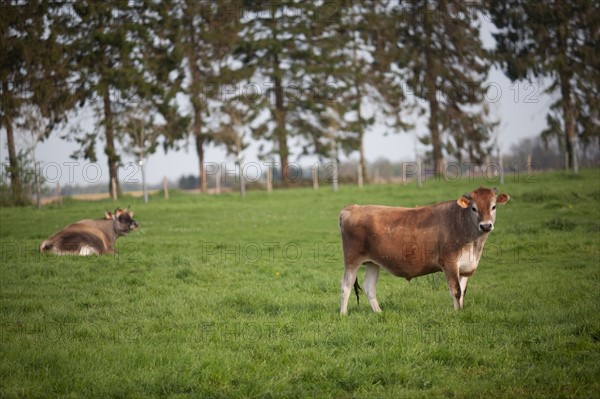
(218, 296)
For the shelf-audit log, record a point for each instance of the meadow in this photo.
(226, 297)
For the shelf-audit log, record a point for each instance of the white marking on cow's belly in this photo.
(468, 261)
(466, 269)
(86, 250)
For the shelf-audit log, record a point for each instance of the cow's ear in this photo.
(502, 198)
(463, 202)
(107, 215)
(118, 212)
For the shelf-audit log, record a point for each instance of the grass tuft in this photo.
(561, 224)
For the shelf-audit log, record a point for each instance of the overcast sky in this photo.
(521, 108)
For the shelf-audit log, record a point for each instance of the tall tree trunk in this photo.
(430, 84)
(197, 129)
(200, 151)
(564, 76)
(361, 136)
(569, 120)
(109, 149)
(13, 162)
(436, 140)
(196, 101)
(362, 161)
(280, 132)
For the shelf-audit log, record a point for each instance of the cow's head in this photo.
(123, 221)
(481, 205)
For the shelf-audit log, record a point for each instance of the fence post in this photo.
(58, 194)
(218, 180)
(166, 187)
(501, 167)
(419, 181)
(403, 172)
(360, 176)
(269, 178)
(38, 199)
(144, 188)
(242, 180)
(334, 176)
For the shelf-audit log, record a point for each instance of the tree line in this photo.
(309, 75)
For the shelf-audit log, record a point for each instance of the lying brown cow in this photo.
(412, 242)
(88, 237)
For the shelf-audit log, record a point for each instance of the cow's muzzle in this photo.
(486, 227)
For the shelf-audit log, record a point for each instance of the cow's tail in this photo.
(357, 288)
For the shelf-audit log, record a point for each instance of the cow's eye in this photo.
(474, 209)
(494, 208)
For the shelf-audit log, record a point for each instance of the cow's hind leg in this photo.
(370, 284)
(350, 273)
(463, 290)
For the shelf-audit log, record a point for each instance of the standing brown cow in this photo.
(411, 242)
(88, 237)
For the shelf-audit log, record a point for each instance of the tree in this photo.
(33, 127)
(312, 59)
(140, 138)
(315, 106)
(557, 40)
(541, 154)
(359, 81)
(348, 60)
(438, 44)
(110, 45)
(187, 182)
(207, 33)
(32, 75)
(374, 73)
(274, 44)
(234, 130)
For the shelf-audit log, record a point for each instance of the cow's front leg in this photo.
(452, 277)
